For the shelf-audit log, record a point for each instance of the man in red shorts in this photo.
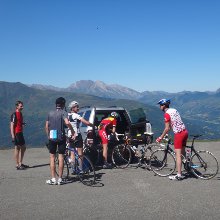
(16, 126)
(107, 126)
(173, 120)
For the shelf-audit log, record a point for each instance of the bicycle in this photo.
(141, 148)
(202, 164)
(117, 151)
(82, 167)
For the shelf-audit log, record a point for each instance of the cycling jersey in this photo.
(172, 115)
(75, 120)
(104, 127)
(17, 119)
(107, 123)
(56, 123)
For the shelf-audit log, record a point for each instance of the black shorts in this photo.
(78, 142)
(53, 145)
(19, 139)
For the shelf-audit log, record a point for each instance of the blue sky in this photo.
(169, 45)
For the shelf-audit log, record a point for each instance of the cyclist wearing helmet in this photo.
(173, 120)
(104, 128)
(55, 131)
(75, 120)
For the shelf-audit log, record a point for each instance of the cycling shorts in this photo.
(103, 135)
(19, 139)
(78, 142)
(180, 139)
(53, 145)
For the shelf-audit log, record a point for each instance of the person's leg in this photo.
(23, 149)
(80, 153)
(105, 152)
(104, 139)
(178, 161)
(61, 162)
(20, 140)
(16, 155)
(52, 149)
(61, 151)
(52, 166)
(179, 145)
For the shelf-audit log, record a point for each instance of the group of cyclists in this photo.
(58, 119)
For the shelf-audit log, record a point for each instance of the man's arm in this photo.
(84, 121)
(12, 130)
(47, 128)
(165, 131)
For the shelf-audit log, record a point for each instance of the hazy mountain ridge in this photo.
(97, 88)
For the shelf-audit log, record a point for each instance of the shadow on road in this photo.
(40, 165)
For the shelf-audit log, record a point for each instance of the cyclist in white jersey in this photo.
(173, 120)
(75, 120)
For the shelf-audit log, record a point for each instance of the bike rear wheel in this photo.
(121, 156)
(162, 162)
(204, 165)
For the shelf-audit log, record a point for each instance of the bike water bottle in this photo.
(69, 159)
(134, 148)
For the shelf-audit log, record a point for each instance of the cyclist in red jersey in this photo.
(107, 126)
(173, 120)
(16, 127)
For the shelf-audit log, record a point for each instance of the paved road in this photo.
(119, 194)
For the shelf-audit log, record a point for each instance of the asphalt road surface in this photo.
(133, 193)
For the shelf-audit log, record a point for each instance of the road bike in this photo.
(140, 148)
(118, 153)
(81, 166)
(122, 149)
(202, 164)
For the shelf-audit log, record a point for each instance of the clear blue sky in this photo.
(169, 45)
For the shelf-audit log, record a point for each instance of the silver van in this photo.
(131, 122)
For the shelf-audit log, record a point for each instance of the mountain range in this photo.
(200, 110)
(197, 107)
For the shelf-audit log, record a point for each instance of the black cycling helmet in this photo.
(164, 102)
(114, 114)
(60, 102)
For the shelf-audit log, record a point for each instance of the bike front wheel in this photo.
(148, 150)
(204, 165)
(162, 162)
(84, 169)
(121, 156)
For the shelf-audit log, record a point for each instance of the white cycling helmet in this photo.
(73, 104)
(114, 114)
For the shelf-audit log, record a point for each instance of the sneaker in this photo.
(81, 172)
(20, 167)
(51, 181)
(107, 166)
(25, 166)
(60, 181)
(176, 177)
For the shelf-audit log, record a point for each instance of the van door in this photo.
(138, 121)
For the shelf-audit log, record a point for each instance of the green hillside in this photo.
(37, 103)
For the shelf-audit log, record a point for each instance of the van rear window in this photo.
(137, 115)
